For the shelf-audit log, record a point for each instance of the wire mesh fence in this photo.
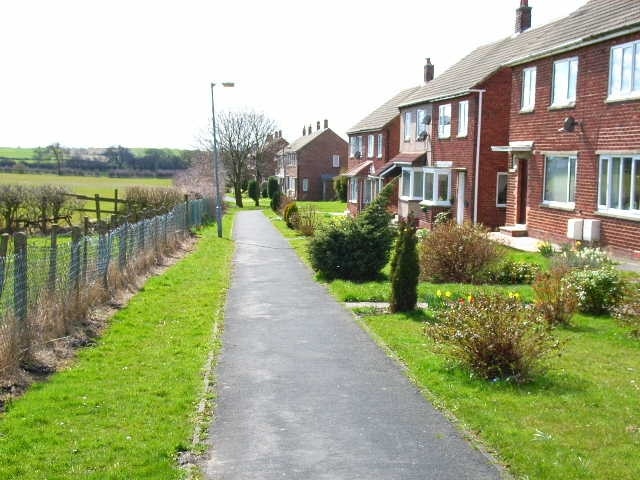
(46, 290)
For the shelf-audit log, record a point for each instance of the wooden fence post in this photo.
(115, 201)
(97, 197)
(53, 258)
(20, 278)
(74, 267)
(85, 248)
(4, 245)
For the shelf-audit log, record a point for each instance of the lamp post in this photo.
(215, 160)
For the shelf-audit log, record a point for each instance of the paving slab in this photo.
(303, 391)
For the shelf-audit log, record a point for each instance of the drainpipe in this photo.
(476, 172)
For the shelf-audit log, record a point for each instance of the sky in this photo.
(137, 73)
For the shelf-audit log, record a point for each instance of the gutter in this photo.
(476, 172)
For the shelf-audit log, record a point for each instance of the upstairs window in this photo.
(565, 78)
(336, 160)
(370, 146)
(356, 146)
(463, 118)
(528, 100)
(421, 124)
(560, 181)
(380, 145)
(407, 126)
(444, 121)
(624, 71)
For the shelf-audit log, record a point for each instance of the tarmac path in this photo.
(305, 393)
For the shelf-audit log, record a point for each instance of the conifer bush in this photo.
(276, 198)
(254, 192)
(273, 186)
(290, 215)
(405, 269)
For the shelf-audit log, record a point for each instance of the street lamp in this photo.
(215, 160)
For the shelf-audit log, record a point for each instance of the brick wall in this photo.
(606, 127)
(316, 159)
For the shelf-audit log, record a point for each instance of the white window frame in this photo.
(305, 184)
(335, 158)
(353, 190)
(463, 118)
(421, 127)
(407, 125)
(528, 94)
(568, 203)
(435, 199)
(369, 190)
(370, 146)
(606, 162)
(444, 127)
(628, 70)
(353, 146)
(562, 95)
(500, 175)
(380, 145)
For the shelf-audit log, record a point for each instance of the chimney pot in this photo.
(318, 125)
(279, 133)
(326, 123)
(523, 17)
(310, 129)
(304, 131)
(428, 70)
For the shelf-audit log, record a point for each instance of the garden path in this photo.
(305, 393)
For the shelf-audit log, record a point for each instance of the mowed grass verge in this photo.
(126, 407)
(578, 420)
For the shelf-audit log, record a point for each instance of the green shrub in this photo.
(554, 298)
(509, 271)
(545, 249)
(457, 253)
(307, 220)
(273, 186)
(598, 291)
(627, 311)
(254, 192)
(584, 257)
(276, 198)
(405, 269)
(355, 249)
(495, 336)
(143, 198)
(340, 186)
(442, 217)
(290, 215)
(263, 190)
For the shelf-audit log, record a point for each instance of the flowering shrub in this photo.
(627, 311)
(495, 336)
(306, 220)
(598, 291)
(510, 271)
(585, 257)
(456, 253)
(545, 249)
(554, 298)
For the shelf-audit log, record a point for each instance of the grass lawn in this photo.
(126, 406)
(579, 420)
(17, 153)
(325, 207)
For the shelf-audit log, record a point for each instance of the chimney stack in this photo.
(318, 126)
(310, 129)
(279, 133)
(428, 71)
(304, 131)
(523, 17)
(326, 123)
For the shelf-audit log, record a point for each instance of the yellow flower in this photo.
(469, 298)
(447, 294)
(439, 293)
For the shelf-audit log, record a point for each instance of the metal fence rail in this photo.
(36, 278)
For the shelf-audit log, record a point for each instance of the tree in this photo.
(57, 153)
(241, 134)
(405, 269)
(254, 192)
(120, 157)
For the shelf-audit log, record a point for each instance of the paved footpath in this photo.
(304, 393)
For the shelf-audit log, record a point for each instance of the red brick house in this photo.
(373, 141)
(574, 128)
(307, 166)
(447, 129)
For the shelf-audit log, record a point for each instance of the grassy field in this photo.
(126, 407)
(579, 420)
(17, 153)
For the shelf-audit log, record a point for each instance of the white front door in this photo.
(460, 200)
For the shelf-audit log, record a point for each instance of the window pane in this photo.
(573, 80)
(406, 183)
(443, 186)
(636, 72)
(636, 184)
(558, 178)
(615, 182)
(407, 126)
(502, 189)
(616, 70)
(367, 191)
(604, 178)
(626, 183)
(379, 145)
(421, 128)
(528, 88)
(370, 146)
(463, 115)
(418, 178)
(560, 82)
(428, 186)
(627, 68)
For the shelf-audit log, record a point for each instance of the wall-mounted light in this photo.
(569, 125)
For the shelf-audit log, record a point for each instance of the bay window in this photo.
(624, 71)
(560, 181)
(619, 184)
(430, 185)
(353, 190)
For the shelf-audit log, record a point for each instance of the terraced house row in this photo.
(537, 133)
